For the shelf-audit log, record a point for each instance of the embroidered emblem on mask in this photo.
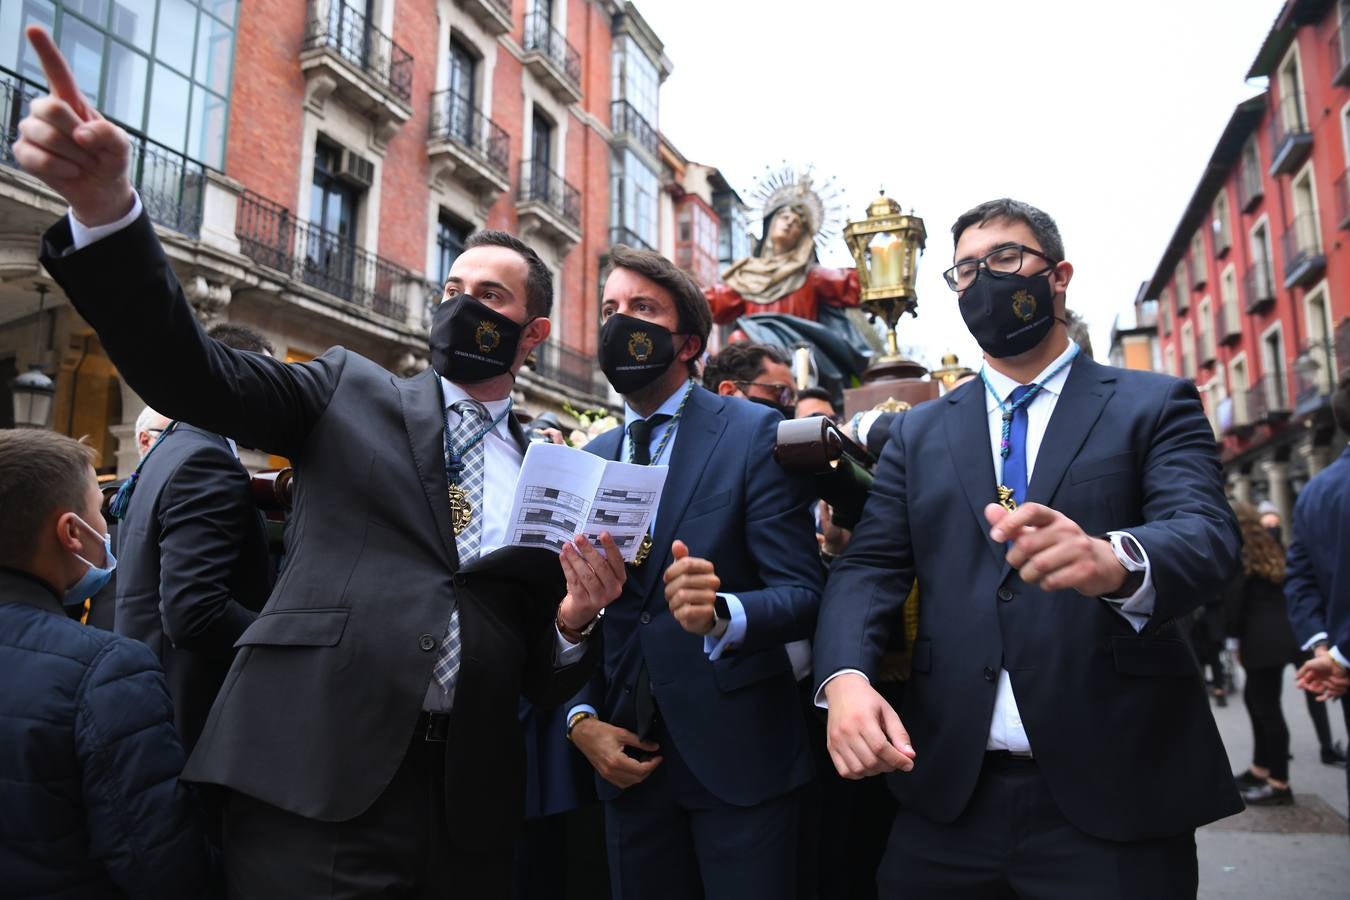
(487, 336)
(1024, 305)
(640, 346)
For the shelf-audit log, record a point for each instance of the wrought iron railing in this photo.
(624, 119)
(570, 368)
(1268, 400)
(1258, 288)
(1228, 321)
(1314, 374)
(619, 234)
(454, 118)
(542, 37)
(1251, 188)
(271, 236)
(1301, 242)
(539, 184)
(1339, 52)
(170, 183)
(1288, 122)
(336, 26)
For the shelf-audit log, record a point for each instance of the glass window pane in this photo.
(206, 140)
(167, 119)
(134, 21)
(222, 9)
(15, 54)
(93, 10)
(83, 48)
(124, 98)
(215, 44)
(176, 33)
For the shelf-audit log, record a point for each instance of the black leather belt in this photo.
(1009, 757)
(432, 726)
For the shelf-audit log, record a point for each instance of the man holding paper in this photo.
(694, 724)
(366, 735)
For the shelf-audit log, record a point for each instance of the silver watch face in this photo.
(1130, 547)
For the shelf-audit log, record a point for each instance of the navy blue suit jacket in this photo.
(1118, 720)
(1317, 580)
(737, 722)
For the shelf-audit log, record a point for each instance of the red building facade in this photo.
(1253, 292)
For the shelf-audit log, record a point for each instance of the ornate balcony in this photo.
(1228, 322)
(171, 184)
(270, 235)
(619, 234)
(570, 368)
(629, 125)
(1268, 400)
(1290, 136)
(467, 147)
(346, 56)
(1304, 259)
(548, 207)
(493, 15)
(1314, 376)
(1258, 287)
(1250, 188)
(552, 59)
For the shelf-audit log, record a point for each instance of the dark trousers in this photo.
(562, 857)
(669, 839)
(1012, 841)
(399, 848)
(1269, 732)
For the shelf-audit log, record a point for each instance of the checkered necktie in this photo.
(472, 418)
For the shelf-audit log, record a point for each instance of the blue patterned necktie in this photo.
(1015, 466)
(472, 417)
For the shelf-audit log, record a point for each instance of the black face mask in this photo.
(1010, 314)
(634, 353)
(786, 412)
(472, 342)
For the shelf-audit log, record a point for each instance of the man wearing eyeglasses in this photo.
(1054, 739)
(757, 372)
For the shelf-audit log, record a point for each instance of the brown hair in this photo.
(538, 280)
(41, 472)
(691, 307)
(1261, 555)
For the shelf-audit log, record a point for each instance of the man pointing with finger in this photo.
(1055, 739)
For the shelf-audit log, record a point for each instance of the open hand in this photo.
(603, 746)
(64, 142)
(864, 734)
(594, 579)
(1052, 552)
(691, 590)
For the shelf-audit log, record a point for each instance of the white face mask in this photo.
(97, 577)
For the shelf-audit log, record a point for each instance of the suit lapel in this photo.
(424, 418)
(1086, 391)
(967, 427)
(696, 437)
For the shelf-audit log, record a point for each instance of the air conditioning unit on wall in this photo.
(356, 169)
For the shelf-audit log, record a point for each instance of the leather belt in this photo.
(432, 727)
(996, 756)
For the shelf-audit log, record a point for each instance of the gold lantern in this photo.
(886, 247)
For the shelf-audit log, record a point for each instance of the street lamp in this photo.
(33, 390)
(886, 247)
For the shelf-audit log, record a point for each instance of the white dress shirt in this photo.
(1006, 731)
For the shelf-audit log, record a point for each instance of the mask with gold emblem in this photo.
(1008, 314)
(470, 341)
(634, 353)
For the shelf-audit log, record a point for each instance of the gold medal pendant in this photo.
(1005, 498)
(461, 510)
(644, 549)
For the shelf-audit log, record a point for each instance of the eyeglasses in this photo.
(1005, 260)
(787, 394)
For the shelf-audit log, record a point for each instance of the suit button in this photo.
(645, 618)
(427, 642)
(1004, 594)
(988, 674)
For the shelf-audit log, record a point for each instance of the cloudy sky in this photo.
(1101, 114)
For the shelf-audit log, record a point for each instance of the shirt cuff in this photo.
(1337, 655)
(820, 694)
(1138, 607)
(565, 653)
(1308, 644)
(82, 235)
(865, 424)
(580, 707)
(731, 638)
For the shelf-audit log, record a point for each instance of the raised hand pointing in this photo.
(67, 144)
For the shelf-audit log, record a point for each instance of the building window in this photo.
(1223, 234)
(733, 238)
(463, 89)
(541, 146)
(451, 233)
(696, 241)
(1208, 347)
(160, 67)
(1183, 288)
(1199, 271)
(1237, 372)
(1276, 377)
(1187, 351)
(330, 242)
(1165, 312)
(636, 79)
(1321, 349)
(634, 191)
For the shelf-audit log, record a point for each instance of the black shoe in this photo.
(1333, 755)
(1246, 779)
(1268, 795)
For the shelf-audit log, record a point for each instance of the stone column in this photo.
(220, 208)
(1240, 486)
(1277, 475)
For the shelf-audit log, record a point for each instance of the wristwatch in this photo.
(1131, 557)
(576, 719)
(576, 636)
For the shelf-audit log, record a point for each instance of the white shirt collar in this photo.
(669, 407)
(453, 393)
(1004, 385)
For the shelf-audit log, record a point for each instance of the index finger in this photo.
(1028, 515)
(59, 77)
(613, 555)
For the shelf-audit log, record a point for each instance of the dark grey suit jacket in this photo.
(320, 705)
